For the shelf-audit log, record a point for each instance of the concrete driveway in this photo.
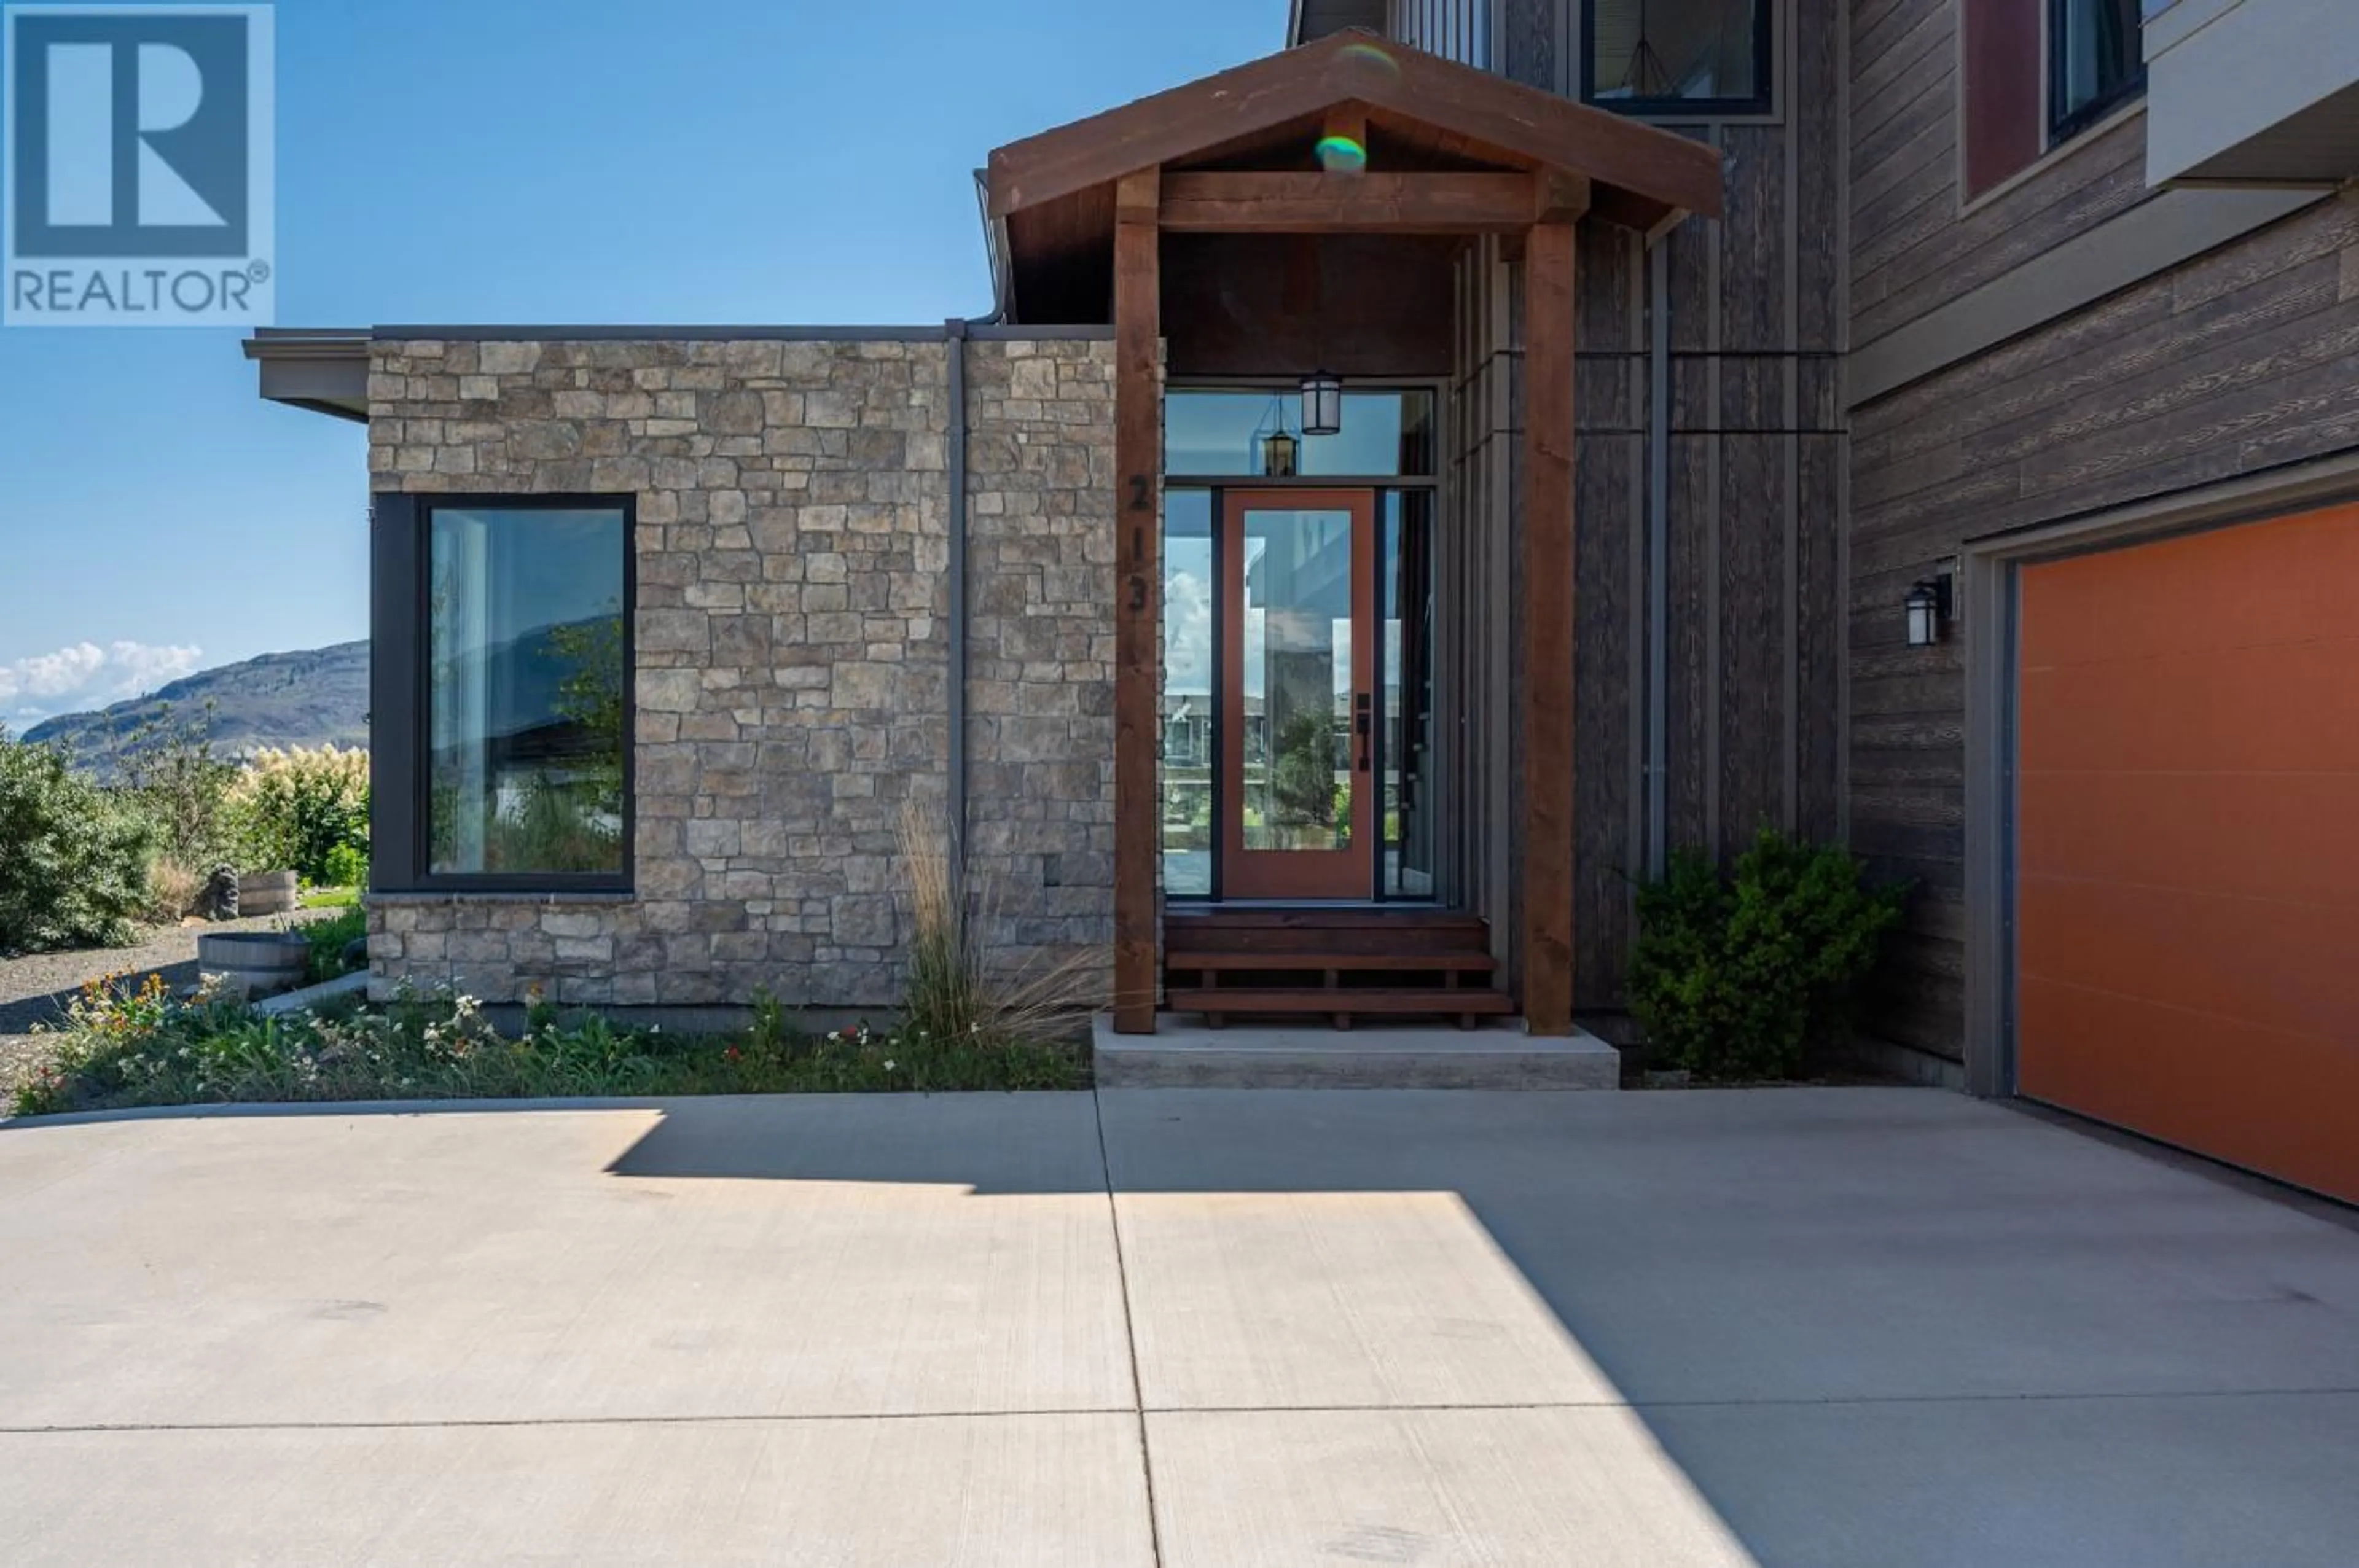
(1190, 1327)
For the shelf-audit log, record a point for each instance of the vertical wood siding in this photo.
(1756, 592)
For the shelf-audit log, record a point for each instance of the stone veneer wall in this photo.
(1041, 587)
(792, 651)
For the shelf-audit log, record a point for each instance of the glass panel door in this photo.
(1299, 716)
(1189, 665)
(1405, 750)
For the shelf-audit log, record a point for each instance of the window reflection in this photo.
(1189, 631)
(524, 691)
(1645, 52)
(1213, 431)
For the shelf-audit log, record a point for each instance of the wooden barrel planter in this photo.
(253, 963)
(267, 893)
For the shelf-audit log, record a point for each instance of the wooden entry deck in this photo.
(1339, 963)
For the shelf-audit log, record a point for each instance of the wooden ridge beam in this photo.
(1643, 171)
(1243, 202)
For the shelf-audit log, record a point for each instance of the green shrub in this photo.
(1734, 975)
(120, 1046)
(291, 810)
(73, 856)
(329, 938)
(346, 865)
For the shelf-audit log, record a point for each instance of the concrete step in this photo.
(1376, 1055)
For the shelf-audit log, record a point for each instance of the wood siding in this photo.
(1757, 468)
(1913, 248)
(2234, 363)
(1475, 601)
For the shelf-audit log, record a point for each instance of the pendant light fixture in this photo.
(1277, 452)
(1322, 404)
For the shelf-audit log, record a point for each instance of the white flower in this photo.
(888, 1063)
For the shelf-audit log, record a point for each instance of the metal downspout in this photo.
(954, 342)
(1658, 551)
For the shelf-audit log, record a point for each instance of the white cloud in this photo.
(88, 675)
(1187, 634)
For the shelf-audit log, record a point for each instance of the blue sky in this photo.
(519, 161)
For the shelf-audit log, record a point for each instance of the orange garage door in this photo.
(2187, 877)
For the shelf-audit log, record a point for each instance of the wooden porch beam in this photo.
(1139, 543)
(1558, 197)
(1239, 202)
(1547, 588)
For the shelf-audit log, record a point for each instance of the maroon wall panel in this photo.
(2003, 98)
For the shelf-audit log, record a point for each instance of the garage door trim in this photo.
(1987, 578)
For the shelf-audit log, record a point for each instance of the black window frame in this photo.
(1764, 66)
(401, 798)
(2061, 127)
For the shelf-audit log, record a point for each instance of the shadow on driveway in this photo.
(1873, 1327)
(1869, 1327)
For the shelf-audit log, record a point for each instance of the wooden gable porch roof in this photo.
(1052, 195)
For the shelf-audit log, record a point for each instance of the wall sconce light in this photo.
(1278, 455)
(1322, 404)
(1928, 605)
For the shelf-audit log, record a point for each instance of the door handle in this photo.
(1362, 722)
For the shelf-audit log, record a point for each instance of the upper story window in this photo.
(2013, 110)
(2096, 59)
(1677, 57)
(1454, 29)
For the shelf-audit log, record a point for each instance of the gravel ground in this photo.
(32, 990)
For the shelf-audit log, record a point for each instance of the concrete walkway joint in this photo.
(1196, 1328)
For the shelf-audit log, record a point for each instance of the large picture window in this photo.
(1677, 57)
(510, 721)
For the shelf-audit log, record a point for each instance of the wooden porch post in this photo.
(1138, 602)
(1547, 588)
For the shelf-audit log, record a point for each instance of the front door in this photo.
(1298, 713)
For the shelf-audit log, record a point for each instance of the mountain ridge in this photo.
(311, 697)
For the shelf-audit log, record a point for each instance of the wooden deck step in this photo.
(1362, 944)
(1221, 962)
(1339, 963)
(1179, 941)
(1340, 1004)
(1351, 919)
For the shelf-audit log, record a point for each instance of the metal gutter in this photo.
(994, 250)
(1658, 551)
(319, 370)
(954, 336)
(986, 330)
(279, 341)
